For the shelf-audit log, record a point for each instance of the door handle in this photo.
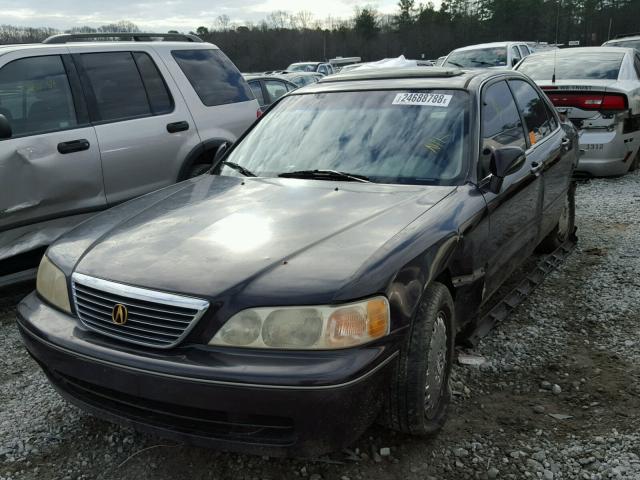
(177, 127)
(567, 144)
(536, 167)
(73, 146)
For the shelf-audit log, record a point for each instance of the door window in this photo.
(275, 89)
(213, 76)
(323, 70)
(501, 124)
(515, 54)
(35, 96)
(256, 88)
(117, 86)
(157, 91)
(534, 111)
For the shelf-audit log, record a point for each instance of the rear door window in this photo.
(159, 96)
(117, 86)
(275, 89)
(213, 76)
(35, 96)
(537, 122)
(515, 54)
(501, 124)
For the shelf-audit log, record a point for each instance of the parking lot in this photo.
(558, 396)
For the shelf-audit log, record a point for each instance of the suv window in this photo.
(524, 50)
(501, 124)
(35, 96)
(256, 88)
(537, 122)
(323, 70)
(159, 96)
(116, 84)
(213, 76)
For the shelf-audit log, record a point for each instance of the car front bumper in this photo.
(307, 403)
(604, 153)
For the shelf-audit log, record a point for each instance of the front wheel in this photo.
(419, 396)
(566, 223)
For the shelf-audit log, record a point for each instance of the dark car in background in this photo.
(317, 279)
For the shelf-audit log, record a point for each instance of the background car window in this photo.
(501, 124)
(159, 96)
(478, 58)
(323, 70)
(275, 89)
(524, 51)
(256, 88)
(537, 123)
(35, 96)
(515, 54)
(213, 76)
(572, 65)
(117, 85)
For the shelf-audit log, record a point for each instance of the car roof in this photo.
(102, 45)
(571, 51)
(621, 39)
(402, 78)
(487, 45)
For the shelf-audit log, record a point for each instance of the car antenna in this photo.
(555, 52)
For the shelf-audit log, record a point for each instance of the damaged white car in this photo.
(598, 89)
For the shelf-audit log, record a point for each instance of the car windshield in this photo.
(418, 137)
(302, 67)
(478, 58)
(625, 43)
(573, 65)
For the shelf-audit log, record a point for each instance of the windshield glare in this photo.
(573, 65)
(479, 57)
(415, 137)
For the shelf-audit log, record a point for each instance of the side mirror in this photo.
(221, 152)
(504, 162)
(5, 128)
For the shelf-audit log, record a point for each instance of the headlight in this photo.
(307, 328)
(52, 285)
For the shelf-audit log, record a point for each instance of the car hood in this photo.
(265, 237)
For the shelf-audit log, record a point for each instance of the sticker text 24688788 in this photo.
(423, 99)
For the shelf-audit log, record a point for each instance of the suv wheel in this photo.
(419, 397)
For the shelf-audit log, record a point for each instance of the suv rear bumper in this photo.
(265, 419)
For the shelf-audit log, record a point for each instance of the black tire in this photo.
(197, 170)
(408, 408)
(566, 224)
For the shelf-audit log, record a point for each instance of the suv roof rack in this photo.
(132, 37)
(622, 35)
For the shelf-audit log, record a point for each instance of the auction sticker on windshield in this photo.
(423, 99)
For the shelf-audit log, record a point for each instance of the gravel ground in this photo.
(557, 398)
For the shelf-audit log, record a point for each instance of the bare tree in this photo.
(304, 19)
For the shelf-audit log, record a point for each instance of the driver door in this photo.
(514, 212)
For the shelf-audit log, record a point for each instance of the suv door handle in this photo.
(73, 146)
(177, 127)
(536, 167)
(567, 144)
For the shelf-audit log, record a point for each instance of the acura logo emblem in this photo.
(119, 314)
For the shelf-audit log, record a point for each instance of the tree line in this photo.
(414, 30)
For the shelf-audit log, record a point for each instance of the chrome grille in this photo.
(155, 319)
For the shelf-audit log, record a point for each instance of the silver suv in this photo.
(86, 125)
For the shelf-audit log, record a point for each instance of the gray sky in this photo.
(169, 14)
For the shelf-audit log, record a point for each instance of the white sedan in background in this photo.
(598, 89)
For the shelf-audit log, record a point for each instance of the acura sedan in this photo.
(316, 280)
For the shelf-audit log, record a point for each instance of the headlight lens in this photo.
(52, 285)
(307, 328)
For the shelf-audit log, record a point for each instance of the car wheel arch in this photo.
(198, 153)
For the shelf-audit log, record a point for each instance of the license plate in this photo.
(592, 146)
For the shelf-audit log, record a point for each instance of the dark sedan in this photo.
(317, 279)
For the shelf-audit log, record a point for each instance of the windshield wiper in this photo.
(480, 62)
(240, 168)
(454, 63)
(325, 175)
